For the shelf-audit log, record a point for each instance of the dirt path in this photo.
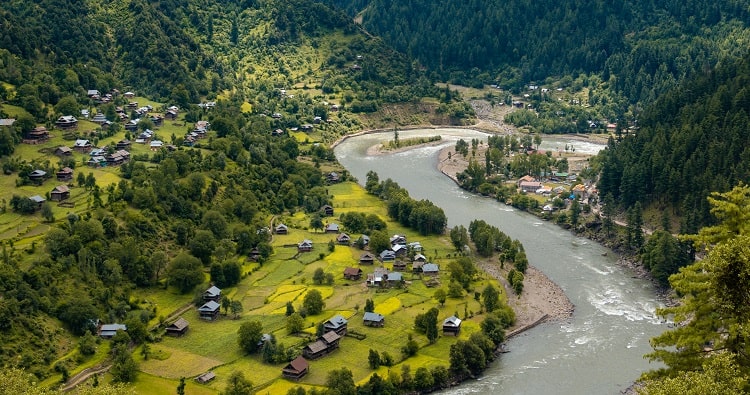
(85, 375)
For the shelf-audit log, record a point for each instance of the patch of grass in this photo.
(151, 384)
(178, 363)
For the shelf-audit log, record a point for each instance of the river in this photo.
(597, 351)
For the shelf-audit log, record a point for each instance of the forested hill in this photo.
(691, 142)
(645, 45)
(185, 51)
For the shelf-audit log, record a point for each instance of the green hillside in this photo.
(640, 47)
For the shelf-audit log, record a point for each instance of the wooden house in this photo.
(64, 174)
(178, 328)
(37, 135)
(63, 151)
(327, 210)
(213, 293)
(305, 246)
(419, 258)
(387, 256)
(60, 193)
(209, 311)
(281, 229)
(38, 200)
(452, 325)
(323, 346)
(416, 266)
(123, 144)
(336, 324)
(296, 369)
(430, 269)
(366, 259)
(343, 239)
(399, 265)
(82, 146)
(373, 319)
(205, 377)
(37, 176)
(352, 273)
(332, 228)
(66, 122)
(108, 331)
(398, 240)
(333, 177)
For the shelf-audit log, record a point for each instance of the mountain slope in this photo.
(693, 140)
(646, 46)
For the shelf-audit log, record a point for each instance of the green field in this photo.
(286, 278)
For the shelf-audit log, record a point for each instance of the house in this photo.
(336, 324)
(343, 239)
(83, 146)
(333, 177)
(306, 128)
(398, 239)
(529, 186)
(37, 135)
(117, 158)
(365, 240)
(387, 256)
(415, 246)
(156, 145)
(99, 118)
(108, 331)
(399, 265)
(394, 278)
(7, 122)
(327, 210)
(63, 151)
(66, 122)
(97, 161)
(131, 125)
(209, 311)
(205, 377)
(254, 254)
(37, 176)
(419, 258)
(305, 246)
(128, 95)
(123, 144)
(296, 369)
(352, 273)
(416, 266)
(373, 319)
(579, 191)
(64, 174)
(213, 293)
(430, 269)
(171, 115)
(281, 229)
(525, 178)
(332, 228)
(38, 200)
(324, 345)
(399, 249)
(277, 132)
(452, 325)
(60, 193)
(377, 278)
(366, 259)
(178, 328)
(276, 115)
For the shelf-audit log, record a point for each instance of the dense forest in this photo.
(692, 141)
(640, 47)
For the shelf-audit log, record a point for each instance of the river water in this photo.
(597, 351)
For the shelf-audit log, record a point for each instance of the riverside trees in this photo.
(711, 336)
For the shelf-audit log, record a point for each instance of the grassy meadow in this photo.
(287, 277)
